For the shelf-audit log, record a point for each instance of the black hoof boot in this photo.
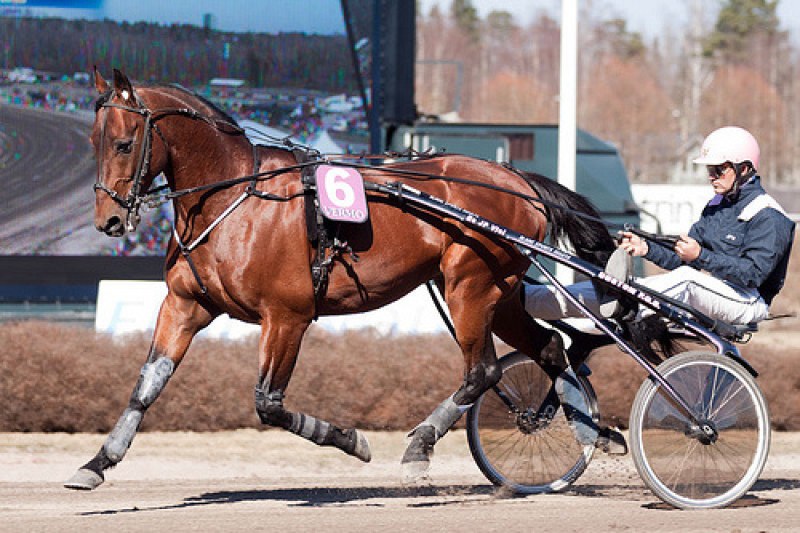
(417, 459)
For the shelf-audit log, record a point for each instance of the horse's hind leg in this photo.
(518, 329)
(515, 326)
(472, 309)
(178, 322)
(280, 344)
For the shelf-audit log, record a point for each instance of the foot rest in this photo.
(741, 329)
(745, 331)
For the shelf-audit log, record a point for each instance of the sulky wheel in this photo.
(686, 467)
(527, 444)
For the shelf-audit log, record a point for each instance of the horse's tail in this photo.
(593, 242)
(651, 337)
(588, 235)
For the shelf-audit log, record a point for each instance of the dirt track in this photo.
(46, 184)
(245, 480)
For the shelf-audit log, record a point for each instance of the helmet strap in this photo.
(740, 180)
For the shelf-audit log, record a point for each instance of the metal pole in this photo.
(375, 117)
(567, 108)
(351, 40)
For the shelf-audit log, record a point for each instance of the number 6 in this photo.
(339, 192)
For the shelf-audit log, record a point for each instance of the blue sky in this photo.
(310, 16)
(650, 17)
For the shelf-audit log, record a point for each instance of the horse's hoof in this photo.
(417, 458)
(611, 442)
(415, 471)
(84, 479)
(362, 450)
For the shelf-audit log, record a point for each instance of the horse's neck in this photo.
(199, 152)
(208, 157)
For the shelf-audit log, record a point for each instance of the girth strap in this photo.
(316, 227)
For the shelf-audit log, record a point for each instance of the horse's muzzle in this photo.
(114, 226)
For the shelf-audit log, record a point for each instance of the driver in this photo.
(729, 266)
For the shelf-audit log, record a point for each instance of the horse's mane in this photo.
(203, 100)
(176, 90)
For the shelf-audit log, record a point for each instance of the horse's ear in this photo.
(99, 82)
(123, 87)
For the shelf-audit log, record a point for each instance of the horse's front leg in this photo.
(178, 321)
(280, 343)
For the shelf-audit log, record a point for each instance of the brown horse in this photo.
(242, 248)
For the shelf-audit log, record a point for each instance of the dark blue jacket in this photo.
(750, 253)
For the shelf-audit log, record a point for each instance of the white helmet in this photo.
(730, 144)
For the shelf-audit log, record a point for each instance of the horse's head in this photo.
(127, 162)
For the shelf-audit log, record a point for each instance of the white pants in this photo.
(711, 296)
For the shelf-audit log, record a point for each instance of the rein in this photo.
(156, 198)
(133, 201)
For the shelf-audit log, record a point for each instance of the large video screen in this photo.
(281, 69)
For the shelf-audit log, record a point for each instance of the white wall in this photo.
(677, 207)
(131, 306)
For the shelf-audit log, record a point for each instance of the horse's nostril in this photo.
(113, 221)
(113, 225)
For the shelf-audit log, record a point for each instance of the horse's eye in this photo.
(123, 147)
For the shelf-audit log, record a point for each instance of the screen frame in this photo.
(70, 278)
(75, 278)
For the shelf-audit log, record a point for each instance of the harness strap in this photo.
(667, 241)
(186, 250)
(314, 223)
(316, 228)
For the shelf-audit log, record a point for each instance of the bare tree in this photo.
(654, 100)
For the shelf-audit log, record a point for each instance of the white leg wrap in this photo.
(120, 438)
(575, 405)
(153, 379)
(310, 428)
(444, 416)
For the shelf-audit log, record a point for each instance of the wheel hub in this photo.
(704, 431)
(530, 421)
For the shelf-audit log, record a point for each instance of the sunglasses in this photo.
(715, 171)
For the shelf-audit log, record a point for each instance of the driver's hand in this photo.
(687, 249)
(633, 244)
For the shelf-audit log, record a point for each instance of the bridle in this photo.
(133, 201)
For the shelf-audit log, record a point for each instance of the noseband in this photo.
(133, 201)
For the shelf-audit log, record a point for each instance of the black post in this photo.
(393, 58)
(376, 96)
